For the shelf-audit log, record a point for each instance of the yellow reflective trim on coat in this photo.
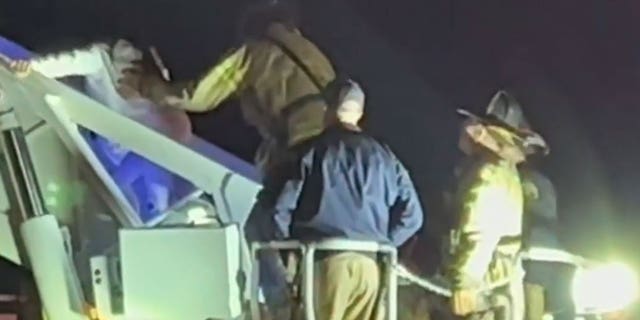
(221, 81)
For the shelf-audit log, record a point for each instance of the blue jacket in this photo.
(351, 186)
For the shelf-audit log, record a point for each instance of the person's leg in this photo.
(516, 293)
(487, 315)
(413, 303)
(333, 287)
(556, 280)
(534, 297)
(346, 287)
(366, 274)
(260, 226)
(273, 276)
(559, 296)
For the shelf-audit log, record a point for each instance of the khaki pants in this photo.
(346, 287)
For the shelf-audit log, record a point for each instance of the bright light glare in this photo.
(605, 288)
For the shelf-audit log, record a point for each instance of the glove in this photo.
(20, 68)
(464, 301)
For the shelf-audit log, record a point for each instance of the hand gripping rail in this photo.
(308, 251)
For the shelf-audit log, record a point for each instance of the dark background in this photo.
(573, 64)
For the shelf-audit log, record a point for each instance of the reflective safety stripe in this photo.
(221, 81)
(92, 312)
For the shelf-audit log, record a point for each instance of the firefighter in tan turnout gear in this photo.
(285, 85)
(488, 206)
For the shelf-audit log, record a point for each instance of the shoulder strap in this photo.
(297, 60)
(328, 92)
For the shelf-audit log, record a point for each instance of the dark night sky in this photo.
(574, 64)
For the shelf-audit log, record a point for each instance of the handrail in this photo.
(441, 290)
(328, 244)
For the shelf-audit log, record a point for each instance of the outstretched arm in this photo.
(224, 79)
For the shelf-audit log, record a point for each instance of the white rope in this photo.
(532, 254)
(440, 290)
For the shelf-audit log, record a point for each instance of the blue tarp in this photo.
(13, 50)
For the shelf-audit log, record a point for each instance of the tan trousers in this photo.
(347, 286)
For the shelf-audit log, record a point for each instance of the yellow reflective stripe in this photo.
(92, 312)
(221, 81)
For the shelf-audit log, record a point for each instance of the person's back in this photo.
(352, 188)
(280, 87)
(347, 185)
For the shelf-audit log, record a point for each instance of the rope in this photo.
(438, 289)
(533, 254)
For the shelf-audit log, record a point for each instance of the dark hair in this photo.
(257, 17)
